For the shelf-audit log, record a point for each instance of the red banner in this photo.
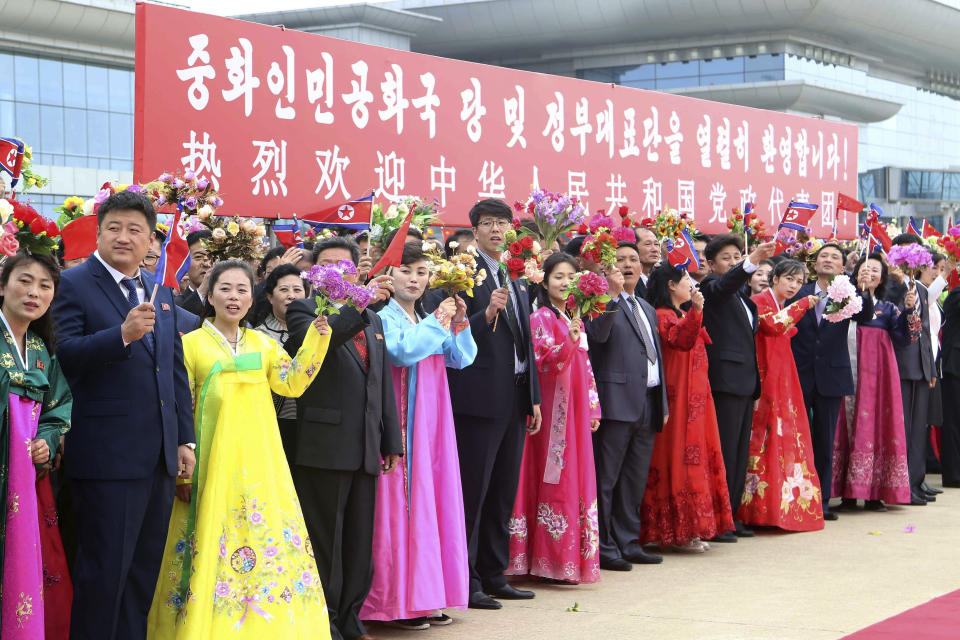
(288, 122)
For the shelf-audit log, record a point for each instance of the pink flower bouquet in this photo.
(843, 301)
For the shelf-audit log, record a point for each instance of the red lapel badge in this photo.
(164, 306)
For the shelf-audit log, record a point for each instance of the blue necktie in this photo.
(130, 284)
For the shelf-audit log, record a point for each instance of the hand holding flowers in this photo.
(586, 295)
(332, 290)
(843, 300)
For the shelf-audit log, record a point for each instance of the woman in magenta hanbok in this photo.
(870, 449)
(554, 531)
(420, 540)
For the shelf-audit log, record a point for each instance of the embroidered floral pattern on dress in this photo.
(518, 526)
(13, 504)
(589, 530)
(691, 455)
(696, 405)
(24, 609)
(555, 523)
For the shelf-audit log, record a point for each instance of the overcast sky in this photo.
(239, 7)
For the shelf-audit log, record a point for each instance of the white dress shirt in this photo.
(493, 270)
(118, 276)
(653, 368)
(933, 296)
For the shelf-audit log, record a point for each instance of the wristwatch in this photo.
(192, 445)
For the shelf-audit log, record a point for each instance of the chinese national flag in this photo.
(394, 253)
(930, 231)
(846, 203)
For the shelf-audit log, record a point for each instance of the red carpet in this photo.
(933, 620)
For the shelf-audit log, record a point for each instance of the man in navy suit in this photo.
(628, 367)
(730, 318)
(823, 365)
(132, 430)
(496, 402)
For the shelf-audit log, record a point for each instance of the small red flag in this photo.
(394, 253)
(174, 259)
(930, 231)
(846, 203)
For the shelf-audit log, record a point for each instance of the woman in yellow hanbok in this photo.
(238, 562)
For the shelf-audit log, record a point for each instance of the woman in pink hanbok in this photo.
(553, 531)
(420, 540)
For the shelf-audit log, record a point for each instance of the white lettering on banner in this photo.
(535, 183)
(577, 184)
(817, 155)
(786, 148)
(443, 178)
(360, 96)
(555, 122)
(769, 154)
(828, 210)
(393, 100)
(800, 146)
(686, 198)
(198, 94)
(775, 205)
(513, 115)
(272, 158)
(747, 195)
(332, 166)
(651, 135)
(833, 155)
(428, 102)
(703, 141)
(320, 85)
(616, 197)
(240, 75)
(674, 139)
(718, 198)
(605, 127)
(583, 126)
(201, 158)
(276, 82)
(723, 144)
(491, 180)
(742, 144)
(391, 174)
(802, 196)
(630, 147)
(472, 110)
(652, 198)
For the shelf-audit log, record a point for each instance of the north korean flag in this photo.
(798, 215)
(352, 215)
(288, 233)
(174, 259)
(913, 227)
(11, 158)
(681, 254)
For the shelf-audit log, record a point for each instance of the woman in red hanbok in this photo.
(554, 530)
(687, 499)
(782, 487)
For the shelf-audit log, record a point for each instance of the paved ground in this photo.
(806, 586)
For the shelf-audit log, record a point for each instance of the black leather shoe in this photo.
(874, 505)
(830, 515)
(928, 489)
(480, 600)
(929, 497)
(846, 504)
(509, 592)
(616, 564)
(639, 556)
(917, 500)
(728, 536)
(741, 531)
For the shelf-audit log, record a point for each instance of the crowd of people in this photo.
(227, 462)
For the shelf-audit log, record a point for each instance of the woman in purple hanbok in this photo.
(420, 542)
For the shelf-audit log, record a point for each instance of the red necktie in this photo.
(360, 342)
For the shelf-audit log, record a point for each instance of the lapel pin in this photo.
(40, 365)
(379, 336)
(164, 306)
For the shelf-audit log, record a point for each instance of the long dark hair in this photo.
(552, 262)
(881, 289)
(786, 268)
(42, 326)
(413, 252)
(212, 278)
(658, 286)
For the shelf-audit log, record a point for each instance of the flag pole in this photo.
(153, 296)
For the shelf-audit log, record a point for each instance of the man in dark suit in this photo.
(823, 365)
(730, 318)
(950, 363)
(649, 250)
(132, 428)
(190, 299)
(917, 376)
(493, 400)
(346, 424)
(628, 367)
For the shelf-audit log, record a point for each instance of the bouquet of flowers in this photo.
(843, 301)
(554, 213)
(747, 225)
(601, 247)
(519, 250)
(911, 258)
(27, 176)
(669, 224)
(800, 246)
(950, 241)
(24, 228)
(458, 273)
(233, 239)
(586, 295)
(70, 210)
(383, 221)
(330, 288)
(192, 194)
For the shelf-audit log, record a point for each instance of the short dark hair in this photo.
(699, 236)
(575, 245)
(551, 263)
(198, 236)
(903, 238)
(881, 289)
(936, 257)
(490, 207)
(786, 268)
(159, 234)
(720, 242)
(276, 252)
(123, 200)
(337, 242)
(632, 245)
(828, 245)
(411, 231)
(531, 226)
(459, 236)
(282, 271)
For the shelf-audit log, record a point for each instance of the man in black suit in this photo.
(496, 402)
(917, 376)
(628, 367)
(730, 318)
(950, 363)
(346, 423)
(190, 299)
(649, 250)
(823, 365)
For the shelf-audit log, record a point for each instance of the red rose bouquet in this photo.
(586, 295)
(29, 230)
(517, 249)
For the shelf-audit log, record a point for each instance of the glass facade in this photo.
(692, 73)
(72, 113)
(930, 185)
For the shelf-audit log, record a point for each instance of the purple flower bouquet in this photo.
(331, 290)
(911, 258)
